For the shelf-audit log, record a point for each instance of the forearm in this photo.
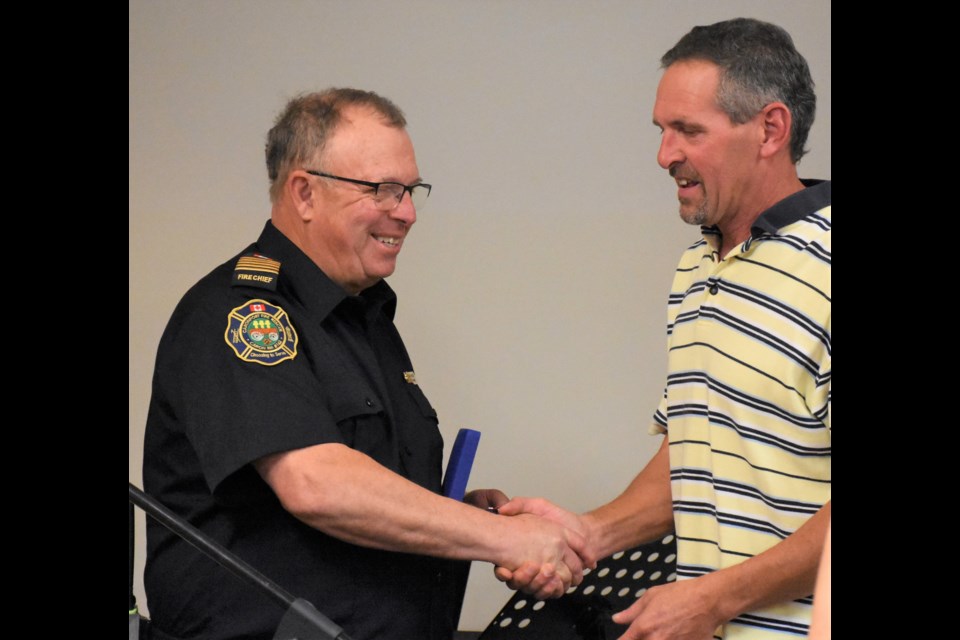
(348, 495)
(643, 512)
(785, 572)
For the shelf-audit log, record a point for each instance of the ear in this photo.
(300, 190)
(776, 120)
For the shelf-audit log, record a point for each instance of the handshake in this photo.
(542, 550)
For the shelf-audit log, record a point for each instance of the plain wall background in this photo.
(532, 289)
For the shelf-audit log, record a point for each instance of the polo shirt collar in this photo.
(794, 207)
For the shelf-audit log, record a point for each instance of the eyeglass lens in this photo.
(390, 194)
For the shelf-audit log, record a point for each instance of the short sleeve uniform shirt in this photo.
(266, 354)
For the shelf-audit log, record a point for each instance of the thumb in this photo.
(513, 507)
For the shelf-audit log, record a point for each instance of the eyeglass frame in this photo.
(376, 185)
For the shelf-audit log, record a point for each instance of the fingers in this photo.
(541, 581)
(550, 551)
(519, 577)
(503, 574)
(627, 615)
(574, 566)
(552, 589)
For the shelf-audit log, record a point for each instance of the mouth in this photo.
(683, 182)
(389, 241)
(688, 189)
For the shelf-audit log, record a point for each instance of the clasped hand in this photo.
(550, 552)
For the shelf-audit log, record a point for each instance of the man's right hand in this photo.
(547, 579)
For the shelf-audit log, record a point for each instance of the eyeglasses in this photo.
(387, 195)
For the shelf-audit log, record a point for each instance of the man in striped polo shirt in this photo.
(743, 476)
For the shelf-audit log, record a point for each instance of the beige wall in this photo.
(532, 289)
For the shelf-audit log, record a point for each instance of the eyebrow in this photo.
(416, 181)
(680, 123)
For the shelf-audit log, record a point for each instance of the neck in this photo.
(736, 231)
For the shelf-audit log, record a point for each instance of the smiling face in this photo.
(712, 159)
(352, 240)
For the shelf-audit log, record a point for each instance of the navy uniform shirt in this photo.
(267, 354)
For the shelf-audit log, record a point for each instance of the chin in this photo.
(376, 275)
(693, 215)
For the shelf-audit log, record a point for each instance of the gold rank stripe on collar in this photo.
(255, 270)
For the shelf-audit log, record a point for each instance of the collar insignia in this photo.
(260, 332)
(255, 270)
(410, 377)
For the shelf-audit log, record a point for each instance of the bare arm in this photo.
(784, 572)
(348, 495)
(643, 512)
(820, 618)
(692, 609)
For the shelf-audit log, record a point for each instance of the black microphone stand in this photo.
(302, 621)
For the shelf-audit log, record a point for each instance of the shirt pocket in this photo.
(362, 423)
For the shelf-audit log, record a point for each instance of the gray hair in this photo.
(758, 65)
(303, 127)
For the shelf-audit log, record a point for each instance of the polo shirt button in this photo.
(714, 289)
(369, 402)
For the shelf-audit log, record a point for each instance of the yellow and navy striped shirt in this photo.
(747, 401)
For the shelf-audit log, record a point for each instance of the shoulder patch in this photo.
(255, 270)
(260, 332)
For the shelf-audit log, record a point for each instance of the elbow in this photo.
(299, 488)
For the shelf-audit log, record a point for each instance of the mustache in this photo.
(675, 172)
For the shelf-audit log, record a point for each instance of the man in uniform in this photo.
(286, 422)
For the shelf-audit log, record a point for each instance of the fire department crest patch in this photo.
(260, 332)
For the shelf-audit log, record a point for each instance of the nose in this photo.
(405, 211)
(669, 152)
